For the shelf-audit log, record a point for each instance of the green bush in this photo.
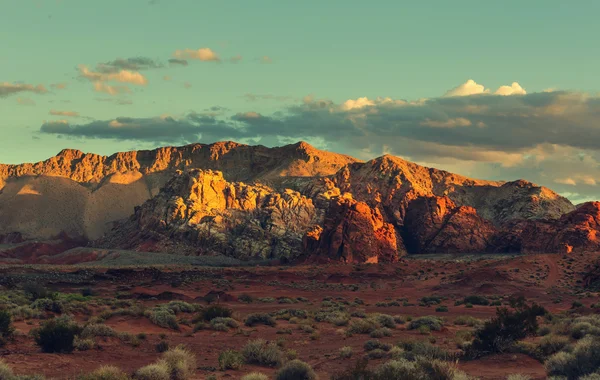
(499, 334)
(162, 346)
(431, 300)
(260, 352)
(215, 311)
(375, 344)
(156, 371)
(230, 359)
(259, 319)
(380, 333)
(296, 370)
(246, 298)
(6, 325)
(441, 309)
(551, 344)
(433, 323)
(362, 326)
(164, 318)
(57, 335)
(346, 352)
(105, 373)
(180, 362)
(93, 330)
(476, 300)
(584, 359)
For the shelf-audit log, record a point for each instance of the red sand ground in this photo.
(547, 279)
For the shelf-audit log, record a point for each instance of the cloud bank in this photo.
(552, 138)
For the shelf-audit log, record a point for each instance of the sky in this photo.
(493, 90)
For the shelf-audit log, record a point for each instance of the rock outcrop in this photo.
(353, 232)
(437, 225)
(577, 231)
(199, 212)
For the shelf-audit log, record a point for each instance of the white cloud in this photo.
(470, 87)
(122, 76)
(513, 89)
(111, 90)
(202, 54)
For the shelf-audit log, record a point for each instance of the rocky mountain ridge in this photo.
(291, 202)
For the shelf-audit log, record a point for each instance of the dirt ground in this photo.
(554, 281)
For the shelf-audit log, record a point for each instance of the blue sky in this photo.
(333, 50)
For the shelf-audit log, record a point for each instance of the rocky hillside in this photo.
(291, 202)
(82, 194)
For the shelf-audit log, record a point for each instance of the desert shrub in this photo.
(544, 330)
(380, 333)
(164, 318)
(35, 291)
(260, 352)
(306, 328)
(466, 320)
(315, 335)
(345, 352)
(583, 328)
(441, 309)
(285, 300)
(155, 371)
(433, 323)
(48, 304)
(296, 370)
(376, 354)
(227, 322)
(162, 346)
(106, 372)
(180, 362)
(358, 314)
(583, 359)
(266, 300)
(259, 319)
(6, 325)
(415, 349)
(400, 320)
(97, 329)
(83, 344)
(431, 300)
(180, 307)
(255, 376)
(375, 344)
(230, 359)
(215, 311)
(398, 369)
(476, 300)
(57, 335)
(508, 326)
(384, 320)
(551, 344)
(246, 298)
(362, 326)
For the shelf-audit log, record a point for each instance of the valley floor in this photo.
(123, 298)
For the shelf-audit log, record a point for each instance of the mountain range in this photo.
(290, 203)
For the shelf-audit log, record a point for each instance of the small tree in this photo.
(57, 335)
(508, 326)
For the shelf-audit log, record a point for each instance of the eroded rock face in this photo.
(353, 232)
(209, 215)
(437, 225)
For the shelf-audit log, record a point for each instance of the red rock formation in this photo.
(577, 231)
(437, 225)
(353, 232)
